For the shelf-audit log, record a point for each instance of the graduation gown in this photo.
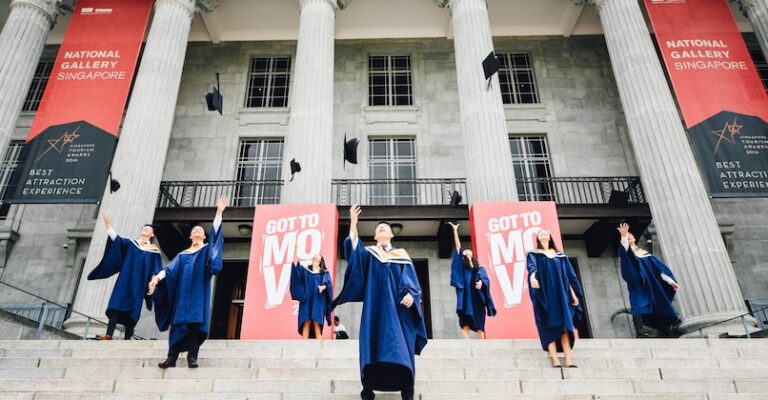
(135, 265)
(313, 305)
(552, 302)
(472, 304)
(649, 295)
(390, 333)
(183, 298)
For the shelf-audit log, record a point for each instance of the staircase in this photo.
(679, 369)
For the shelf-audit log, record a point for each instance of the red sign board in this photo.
(502, 234)
(269, 312)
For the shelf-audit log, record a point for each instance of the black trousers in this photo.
(113, 324)
(191, 344)
(406, 393)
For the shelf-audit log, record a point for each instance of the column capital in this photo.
(50, 9)
(745, 5)
(335, 4)
(206, 5)
(451, 3)
(191, 6)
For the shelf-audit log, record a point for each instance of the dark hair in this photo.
(474, 261)
(552, 244)
(336, 318)
(385, 223)
(323, 269)
(149, 225)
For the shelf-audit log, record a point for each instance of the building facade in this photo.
(560, 122)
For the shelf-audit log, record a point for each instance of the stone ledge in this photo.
(263, 116)
(391, 114)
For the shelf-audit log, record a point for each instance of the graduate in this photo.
(392, 326)
(313, 289)
(651, 286)
(182, 292)
(556, 298)
(473, 290)
(135, 262)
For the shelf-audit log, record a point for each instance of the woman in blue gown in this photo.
(650, 283)
(473, 290)
(313, 289)
(556, 298)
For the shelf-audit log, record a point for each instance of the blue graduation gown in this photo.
(390, 334)
(313, 305)
(650, 297)
(135, 265)
(552, 302)
(471, 304)
(183, 298)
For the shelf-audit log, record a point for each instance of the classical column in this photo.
(310, 127)
(140, 155)
(682, 213)
(21, 44)
(490, 176)
(757, 12)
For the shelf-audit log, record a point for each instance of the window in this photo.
(36, 89)
(530, 159)
(518, 84)
(390, 161)
(760, 64)
(389, 81)
(268, 82)
(9, 165)
(259, 160)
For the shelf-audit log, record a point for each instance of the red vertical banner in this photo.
(70, 145)
(269, 312)
(502, 234)
(721, 95)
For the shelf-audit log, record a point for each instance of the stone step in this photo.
(379, 396)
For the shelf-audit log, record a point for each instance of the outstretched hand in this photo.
(454, 226)
(107, 220)
(221, 204)
(354, 213)
(623, 229)
(152, 286)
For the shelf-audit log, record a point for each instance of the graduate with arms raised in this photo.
(556, 297)
(651, 285)
(135, 262)
(182, 292)
(473, 289)
(392, 326)
(313, 289)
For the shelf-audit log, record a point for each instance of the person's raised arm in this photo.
(354, 214)
(456, 240)
(296, 253)
(221, 205)
(624, 232)
(108, 224)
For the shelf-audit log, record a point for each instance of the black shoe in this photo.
(168, 363)
(367, 394)
(192, 362)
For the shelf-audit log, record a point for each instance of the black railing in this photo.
(621, 190)
(182, 194)
(421, 192)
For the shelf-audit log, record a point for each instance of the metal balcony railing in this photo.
(397, 192)
(183, 194)
(620, 190)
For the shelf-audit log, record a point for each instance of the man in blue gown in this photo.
(651, 286)
(183, 300)
(135, 262)
(473, 289)
(392, 326)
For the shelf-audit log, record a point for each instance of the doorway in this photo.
(422, 273)
(228, 300)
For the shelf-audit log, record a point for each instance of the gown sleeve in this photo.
(573, 280)
(297, 290)
(457, 269)
(537, 295)
(157, 266)
(112, 262)
(354, 277)
(328, 298)
(216, 245)
(629, 273)
(164, 292)
(485, 291)
(409, 283)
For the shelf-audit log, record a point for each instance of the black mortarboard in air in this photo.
(350, 150)
(456, 198)
(114, 185)
(295, 168)
(214, 100)
(491, 65)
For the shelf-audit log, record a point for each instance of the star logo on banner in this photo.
(58, 144)
(728, 133)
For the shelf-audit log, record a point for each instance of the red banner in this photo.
(95, 65)
(721, 95)
(269, 312)
(502, 234)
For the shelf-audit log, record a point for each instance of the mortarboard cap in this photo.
(295, 168)
(455, 198)
(491, 65)
(350, 150)
(215, 100)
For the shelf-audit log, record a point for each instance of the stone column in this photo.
(490, 176)
(682, 213)
(21, 44)
(757, 12)
(140, 155)
(310, 127)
